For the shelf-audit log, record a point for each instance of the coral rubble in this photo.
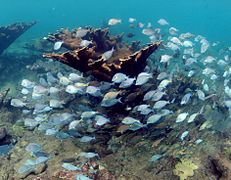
(8, 34)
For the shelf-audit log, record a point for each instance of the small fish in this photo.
(165, 58)
(64, 81)
(149, 95)
(54, 103)
(142, 78)
(173, 31)
(40, 90)
(119, 77)
(25, 91)
(181, 117)
(164, 83)
(208, 71)
(209, 59)
(153, 38)
(93, 91)
(41, 108)
(110, 99)
(176, 41)
(85, 43)
(162, 22)
(222, 63)
(214, 77)
(127, 83)
(160, 104)
(81, 85)
(51, 79)
(154, 118)
(74, 124)
(73, 89)
(192, 117)
(135, 126)
(101, 120)
(114, 21)
(204, 46)
(140, 25)
(156, 157)
(130, 120)
(228, 104)
(190, 61)
(228, 91)
(143, 107)
(131, 20)
(198, 141)
(173, 46)
(206, 87)
(201, 95)
(158, 95)
(58, 45)
(86, 139)
(165, 112)
(88, 115)
(187, 35)
(75, 77)
(148, 32)
(187, 44)
(81, 32)
(70, 167)
(149, 25)
(183, 135)
(108, 54)
(162, 75)
(88, 155)
(186, 98)
(27, 83)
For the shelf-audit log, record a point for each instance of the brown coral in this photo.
(86, 60)
(89, 59)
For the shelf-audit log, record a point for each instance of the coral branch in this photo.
(86, 60)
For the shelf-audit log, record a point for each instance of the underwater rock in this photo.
(8, 34)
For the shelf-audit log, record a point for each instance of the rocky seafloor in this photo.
(62, 141)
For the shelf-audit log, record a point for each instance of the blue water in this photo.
(211, 18)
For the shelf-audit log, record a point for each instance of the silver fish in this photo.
(58, 45)
(142, 78)
(183, 135)
(162, 75)
(186, 98)
(154, 118)
(158, 95)
(127, 83)
(86, 139)
(201, 95)
(130, 120)
(181, 117)
(93, 91)
(160, 104)
(149, 95)
(119, 77)
(108, 54)
(101, 120)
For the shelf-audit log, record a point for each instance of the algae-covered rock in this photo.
(185, 169)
